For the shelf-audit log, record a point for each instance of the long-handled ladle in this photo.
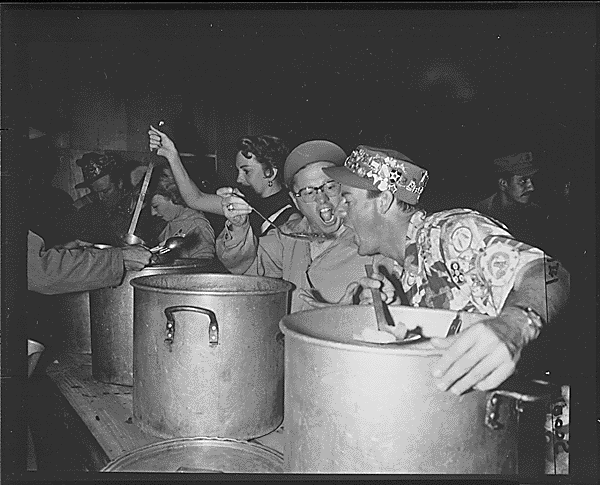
(306, 236)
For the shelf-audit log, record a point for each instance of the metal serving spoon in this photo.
(306, 236)
(174, 242)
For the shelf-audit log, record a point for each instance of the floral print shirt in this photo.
(460, 259)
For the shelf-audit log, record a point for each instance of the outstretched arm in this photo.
(485, 354)
(192, 195)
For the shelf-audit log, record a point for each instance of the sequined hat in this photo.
(95, 166)
(309, 152)
(518, 164)
(382, 169)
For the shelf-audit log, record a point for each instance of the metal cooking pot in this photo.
(356, 407)
(73, 315)
(200, 455)
(208, 355)
(111, 316)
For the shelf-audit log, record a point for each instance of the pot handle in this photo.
(213, 326)
(520, 390)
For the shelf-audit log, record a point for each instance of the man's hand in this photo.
(476, 358)
(363, 285)
(135, 258)
(75, 245)
(160, 142)
(235, 209)
(379, 283)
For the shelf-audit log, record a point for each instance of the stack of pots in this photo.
(111, 317)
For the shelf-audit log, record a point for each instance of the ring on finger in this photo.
(230, 207)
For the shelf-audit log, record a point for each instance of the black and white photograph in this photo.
(296, 241)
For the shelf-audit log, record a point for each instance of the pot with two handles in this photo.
(358, 407)
(208, 355)
(111, 319)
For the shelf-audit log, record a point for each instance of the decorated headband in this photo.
(388, 170)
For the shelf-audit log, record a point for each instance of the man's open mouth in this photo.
(327, 216)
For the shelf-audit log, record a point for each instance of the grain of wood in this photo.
(105, 409)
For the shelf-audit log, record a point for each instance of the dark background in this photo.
(452, 87)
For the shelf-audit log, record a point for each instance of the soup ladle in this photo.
(306, 236)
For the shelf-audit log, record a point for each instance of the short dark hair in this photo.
(269, 151)
(404, 206)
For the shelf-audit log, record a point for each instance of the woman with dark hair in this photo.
(259, 162)
(168, 204)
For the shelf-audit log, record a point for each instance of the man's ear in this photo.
(502, 184)
(385, 201)
(293, 197)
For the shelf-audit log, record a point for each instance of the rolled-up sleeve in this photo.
(55, 271)
(241, 252)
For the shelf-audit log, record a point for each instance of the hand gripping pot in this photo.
(357, 407)
(208, 355)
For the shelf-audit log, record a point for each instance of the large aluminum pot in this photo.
(208, 355)
(111, 316)
(200, 455)
(357, 407)
(72, 311)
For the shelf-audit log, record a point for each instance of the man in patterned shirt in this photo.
(457, 259)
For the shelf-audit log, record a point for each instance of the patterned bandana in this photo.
(389, 170)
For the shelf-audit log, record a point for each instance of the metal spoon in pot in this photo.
(174, 242)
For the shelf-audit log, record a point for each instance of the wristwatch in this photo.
(535, 321)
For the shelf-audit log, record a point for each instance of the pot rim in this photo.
(182, 442)
(143, 283)
(417, 349)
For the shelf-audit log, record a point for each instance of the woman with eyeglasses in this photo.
(259, 162)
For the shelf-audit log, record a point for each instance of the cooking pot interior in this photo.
(340, 324)
(209, 283)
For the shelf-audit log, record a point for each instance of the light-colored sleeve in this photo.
(241, 252)
(200, 232)
(56, 271)
(483, 260)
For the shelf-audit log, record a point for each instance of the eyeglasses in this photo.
(309, 194)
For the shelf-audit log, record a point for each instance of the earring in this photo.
(270, 184)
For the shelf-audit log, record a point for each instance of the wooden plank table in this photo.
(107, 409)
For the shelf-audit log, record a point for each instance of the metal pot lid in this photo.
(200, 455)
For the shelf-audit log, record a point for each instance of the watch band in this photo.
(535, 321)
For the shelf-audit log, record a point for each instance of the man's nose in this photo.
(240, 178)
(153, 211)
(530, 184)
(321, 196)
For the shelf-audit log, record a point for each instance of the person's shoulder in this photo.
(296, 222)
(449, 219)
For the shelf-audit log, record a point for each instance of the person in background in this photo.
(79, 266)
(457, 260)
(49, 208)
(511, 204)
(104, 215)
(168, 204)
(321, 269)
(259, 162)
